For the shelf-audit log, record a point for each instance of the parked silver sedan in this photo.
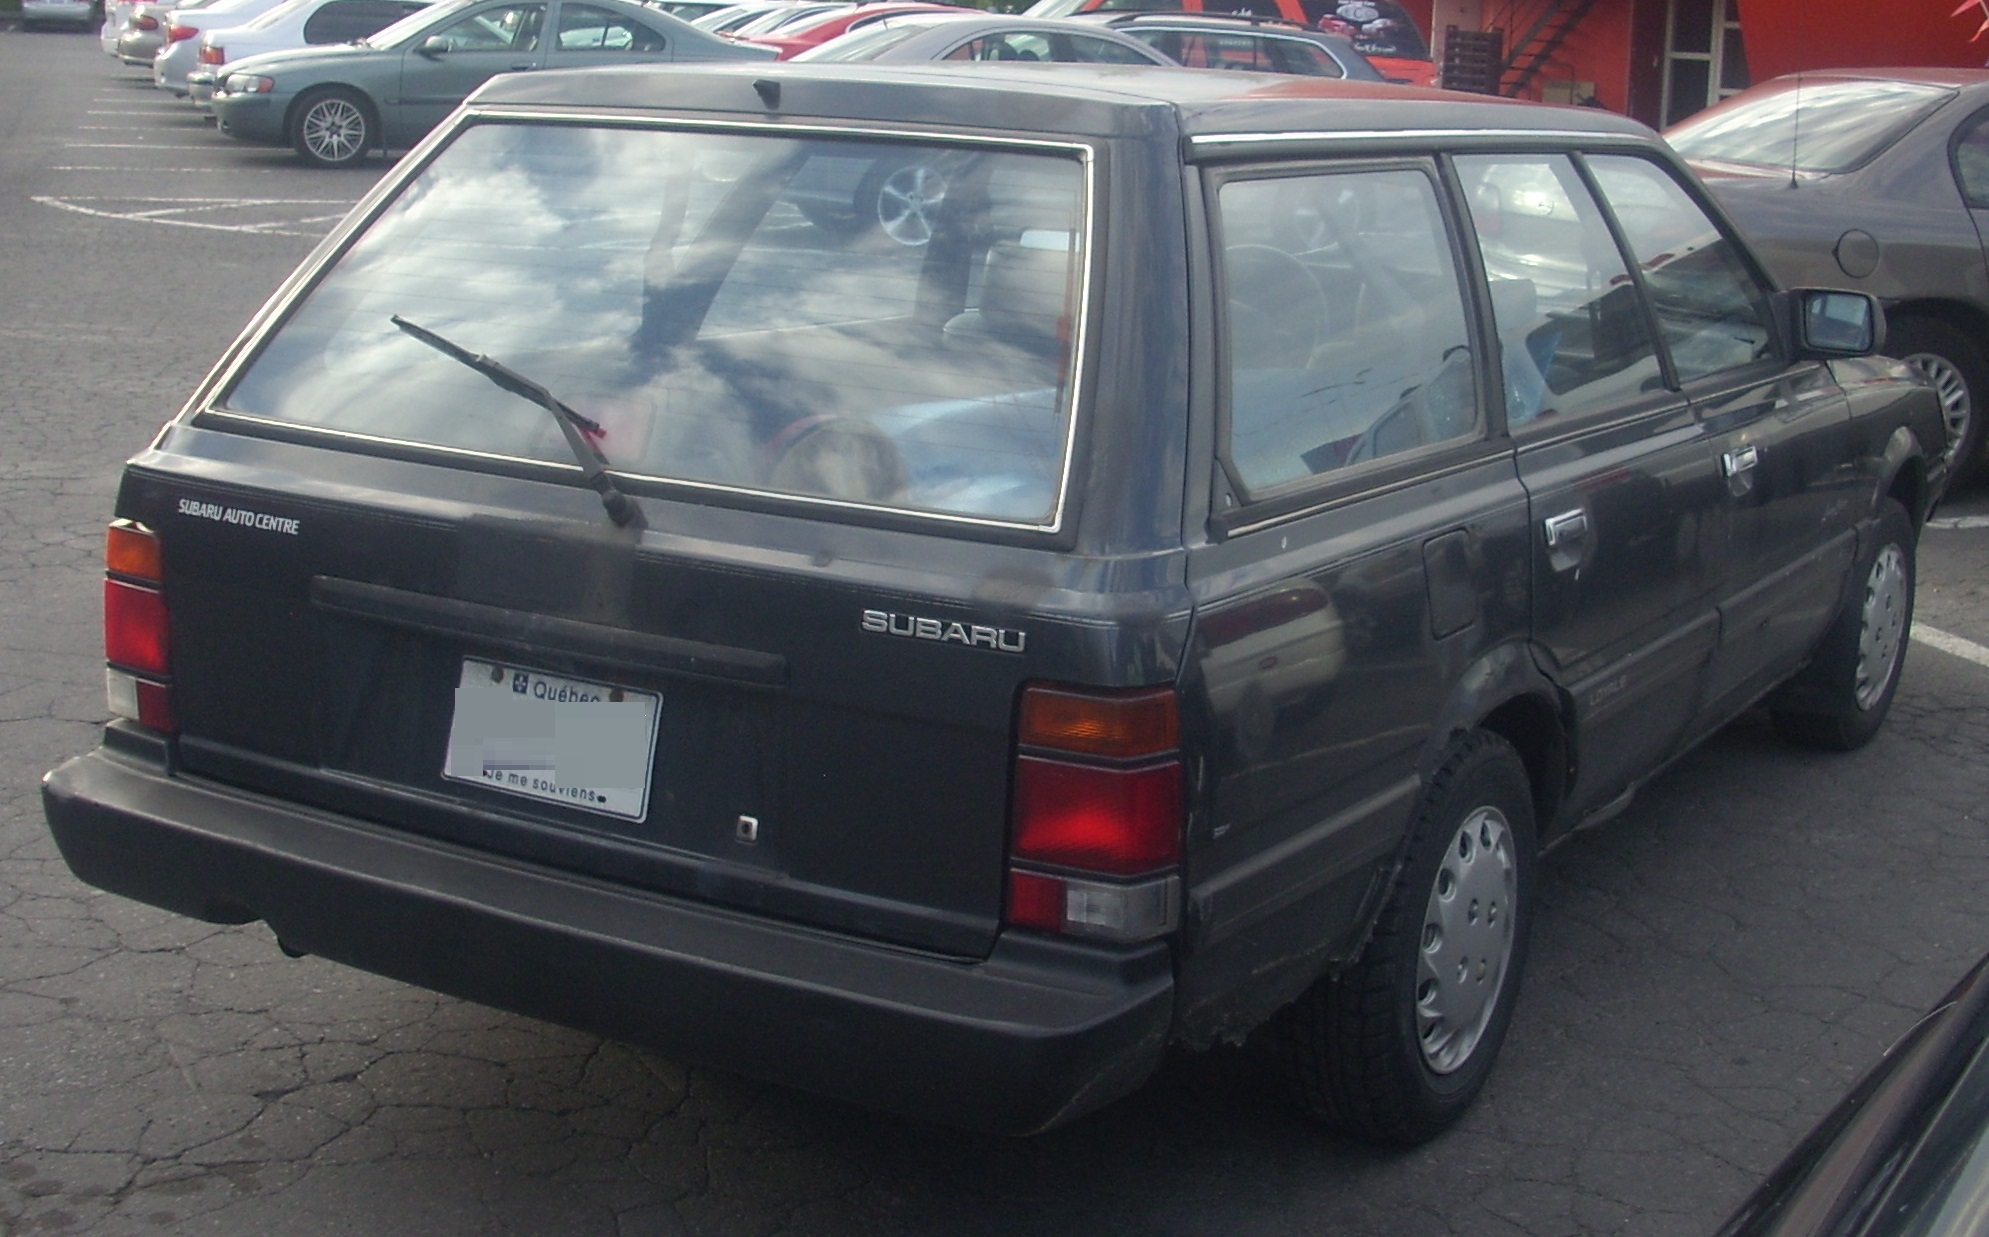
(1874, 179)
(969, 36)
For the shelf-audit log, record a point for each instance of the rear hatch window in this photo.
(877, 324)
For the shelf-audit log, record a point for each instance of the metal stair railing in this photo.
(1547, 25)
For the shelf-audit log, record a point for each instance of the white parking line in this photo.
(1960, 521)
(1935, 638)
(128, 146)
(124, 111)
(173, 212)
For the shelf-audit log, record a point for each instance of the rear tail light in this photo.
(137, 641)
(1096, 818)
(213, 55)
(145, 21)
(174, 33)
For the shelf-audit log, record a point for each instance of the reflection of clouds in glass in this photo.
(543, 246)
(1821, 127)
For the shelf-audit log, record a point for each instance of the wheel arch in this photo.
(1903, 476)
(366, 101)
(1506, 693)
(1957, 313)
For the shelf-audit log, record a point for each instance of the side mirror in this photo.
(433, 46)
(1837, 324)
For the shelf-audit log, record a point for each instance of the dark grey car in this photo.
(1876, 179)
(1175, 601)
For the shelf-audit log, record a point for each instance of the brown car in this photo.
(1874, 179)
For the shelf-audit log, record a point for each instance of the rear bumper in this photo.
(1039, 1033)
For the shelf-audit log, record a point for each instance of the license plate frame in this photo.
(517, 730)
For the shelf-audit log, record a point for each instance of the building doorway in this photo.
(1704, 60)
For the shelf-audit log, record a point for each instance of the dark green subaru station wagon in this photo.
(933, 585)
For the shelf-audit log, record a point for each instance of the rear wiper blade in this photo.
(593, 465)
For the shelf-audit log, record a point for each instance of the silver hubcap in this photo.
(903, 203)
(1948, 384)
(334, 130)
(1883, 630)
(1467, 939)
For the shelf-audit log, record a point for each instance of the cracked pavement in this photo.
(1710, 970)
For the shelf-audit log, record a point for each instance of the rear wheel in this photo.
(333, 128)
(1848, 687)
(1396, 1047)
(1953, 363)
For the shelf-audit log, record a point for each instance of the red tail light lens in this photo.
(213, 55)
(137, 643)
(145, 21)
(135, 628)
(1097, 790)
(175, 33)
(1123, 822)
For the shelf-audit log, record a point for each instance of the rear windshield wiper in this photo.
(593, 465)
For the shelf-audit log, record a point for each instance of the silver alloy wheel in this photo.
(1951, 388)
(334, 129)
(1467, 939)
(1882, 631)
(904, 200)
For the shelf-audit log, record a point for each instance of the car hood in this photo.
(293, 59)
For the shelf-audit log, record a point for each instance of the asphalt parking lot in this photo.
(1710, 970)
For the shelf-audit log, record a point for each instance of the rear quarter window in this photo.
(737, 311)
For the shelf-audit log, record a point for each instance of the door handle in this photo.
(1566, 528)
(520, 68)
(1738, 462)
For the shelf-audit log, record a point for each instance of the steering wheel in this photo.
(1278, 312)
(835, 457)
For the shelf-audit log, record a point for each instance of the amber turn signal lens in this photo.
(131, 549)
(1119, 725)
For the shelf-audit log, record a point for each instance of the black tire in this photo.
(1361, 1049)
(333, 127)
(1839, 702)
(1947, 357)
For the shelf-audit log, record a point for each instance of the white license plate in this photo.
(569, 741)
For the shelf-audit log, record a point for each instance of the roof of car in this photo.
(1049, 100)
(1933, 76)
(1170, 17)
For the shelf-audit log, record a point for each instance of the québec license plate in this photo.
(569, 741)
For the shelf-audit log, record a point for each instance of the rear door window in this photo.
(585, 28)
(872, 323)
(1344, 324)
(1306, 59)
(342, 21)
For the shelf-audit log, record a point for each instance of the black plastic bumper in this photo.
(1040, 1032)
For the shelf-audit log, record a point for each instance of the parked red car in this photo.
(1379, 29)
(793, 40)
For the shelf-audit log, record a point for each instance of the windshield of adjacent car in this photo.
(884, 324)
(1827, 125)
(415, 23)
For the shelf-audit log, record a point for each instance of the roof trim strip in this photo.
(1217, 141)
